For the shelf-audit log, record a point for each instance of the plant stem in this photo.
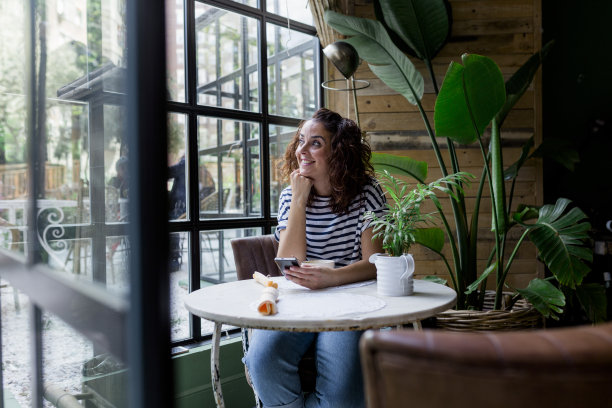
(460, 223)
(493, 212)
(432, 75)
(450, 272)
(514, 252)
(432, 137)
(355, 101)
(449, 233)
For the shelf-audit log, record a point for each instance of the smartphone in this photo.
(285, 263)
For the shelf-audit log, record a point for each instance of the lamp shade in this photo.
(344, 57)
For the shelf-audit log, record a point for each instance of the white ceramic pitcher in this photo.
(394, 274)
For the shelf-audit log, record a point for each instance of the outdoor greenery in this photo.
(473, 97)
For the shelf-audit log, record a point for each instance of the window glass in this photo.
(178, 180)
(227, 58)
(175, 49)
(72, 365)
(217, 259)
(117, 263)
(228, 164)
(280, 136)
(81, 181)
(224, 177)
(289, 8)
(179, 267)
(291, 72)
(116, 162)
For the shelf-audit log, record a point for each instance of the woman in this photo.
(321, 217)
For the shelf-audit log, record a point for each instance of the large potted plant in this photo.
(472, 97)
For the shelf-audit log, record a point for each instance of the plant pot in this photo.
(394, 274)
(521, 316)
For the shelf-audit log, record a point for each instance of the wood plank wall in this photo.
(508, 31)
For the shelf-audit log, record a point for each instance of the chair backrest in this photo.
(255, 254)
(569, 367)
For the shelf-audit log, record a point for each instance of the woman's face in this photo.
(313, 151)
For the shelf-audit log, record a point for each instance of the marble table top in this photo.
(350, 307)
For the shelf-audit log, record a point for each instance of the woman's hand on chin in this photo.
(300, 187)
(312, 277)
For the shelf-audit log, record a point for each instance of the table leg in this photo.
(214, 366)
(416, 325)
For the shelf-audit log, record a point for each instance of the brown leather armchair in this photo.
(568, 367)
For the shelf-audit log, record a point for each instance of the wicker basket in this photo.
(522, 316)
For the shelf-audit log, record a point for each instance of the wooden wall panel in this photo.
(508, 31)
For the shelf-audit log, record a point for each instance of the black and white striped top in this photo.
(333, 236)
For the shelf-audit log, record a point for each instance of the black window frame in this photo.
(126, 326)
(193, 226)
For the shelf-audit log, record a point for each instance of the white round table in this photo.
(349, 307)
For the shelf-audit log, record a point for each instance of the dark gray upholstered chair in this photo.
(257, 253)
(568, 367)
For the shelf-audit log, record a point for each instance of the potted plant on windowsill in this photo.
(399, 227)
(474, 96)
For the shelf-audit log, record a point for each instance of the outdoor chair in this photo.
(257, 253)
(568, 367)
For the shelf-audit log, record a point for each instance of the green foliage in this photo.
(473, 97)
(592, 298)
(384, 59)
(422, 27)
(400, 165)
(398, 226)
(560, 237)
(470, 96)
(544, 297)
(519, 82)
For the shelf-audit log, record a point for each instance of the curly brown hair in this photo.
(349, 164)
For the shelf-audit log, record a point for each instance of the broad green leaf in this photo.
(470, 96)
(385, 60)
(512, 171)
(560, 238)
(524, 213)
(432, 238)
(559, 150)
(592, 298)
(474, 286)
(545, 297)
(423, 25)
(519, 82)
(401, 165)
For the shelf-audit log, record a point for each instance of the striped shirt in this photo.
(334, 236)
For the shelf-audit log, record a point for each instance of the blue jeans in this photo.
(272, 361)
